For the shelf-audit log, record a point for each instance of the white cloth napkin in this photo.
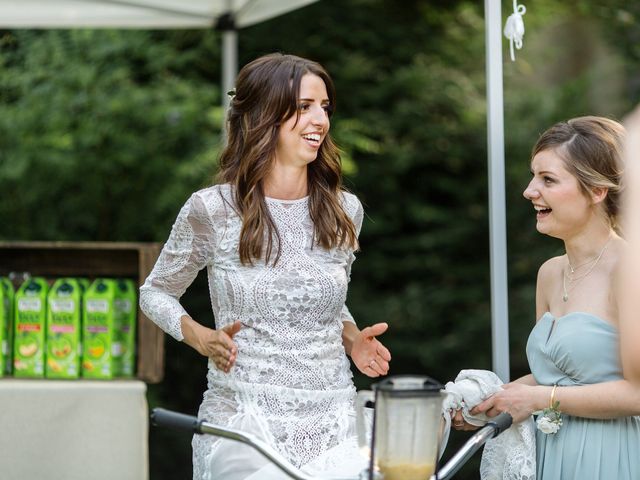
(509, 456)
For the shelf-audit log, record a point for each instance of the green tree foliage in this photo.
(100, 134)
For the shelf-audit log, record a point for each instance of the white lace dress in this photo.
(291, 384)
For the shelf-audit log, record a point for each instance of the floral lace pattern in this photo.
(291, 376)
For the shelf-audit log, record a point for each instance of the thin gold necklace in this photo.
(575, 281)
(573, 269)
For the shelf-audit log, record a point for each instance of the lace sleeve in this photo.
(188, 249)
(356, 212)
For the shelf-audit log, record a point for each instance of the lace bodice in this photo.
(291, 314)
(290, 343)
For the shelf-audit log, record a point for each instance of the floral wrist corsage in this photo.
(550, 420)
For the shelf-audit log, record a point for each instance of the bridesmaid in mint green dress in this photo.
(581, 349)
(573, 350)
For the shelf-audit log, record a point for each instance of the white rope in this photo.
(514, 28)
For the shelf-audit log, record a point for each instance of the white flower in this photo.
(550, 419)
(546, 425)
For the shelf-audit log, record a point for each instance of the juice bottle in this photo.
(98, 329)
(63, 329)
(126, 307)
(30, 315)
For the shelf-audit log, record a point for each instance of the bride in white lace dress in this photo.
(277, 237)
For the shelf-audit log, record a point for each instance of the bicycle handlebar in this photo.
(161, 417)
(166, 418)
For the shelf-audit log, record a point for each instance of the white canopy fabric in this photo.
(147, 14)
(228, 15)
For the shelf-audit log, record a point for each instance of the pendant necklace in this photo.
(573, 282)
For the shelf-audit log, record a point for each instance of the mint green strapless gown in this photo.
(579, 349)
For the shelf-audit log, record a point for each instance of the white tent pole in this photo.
(497, 210)
(229, 63)
(227, 23)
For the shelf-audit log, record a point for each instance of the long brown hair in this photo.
(592, 149)
(266, 95)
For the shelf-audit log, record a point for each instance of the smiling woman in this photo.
(588, 424)
(277, 236)
(555, 194)
(302, 134)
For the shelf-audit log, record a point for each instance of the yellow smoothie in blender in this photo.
(407, 471)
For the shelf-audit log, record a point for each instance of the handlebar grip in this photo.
(161, 417)
(501, 422)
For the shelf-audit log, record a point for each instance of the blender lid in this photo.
(409, 386)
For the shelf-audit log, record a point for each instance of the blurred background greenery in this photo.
(105, 133)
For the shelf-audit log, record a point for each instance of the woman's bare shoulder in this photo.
(551, 267)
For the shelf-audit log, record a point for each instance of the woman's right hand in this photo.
(215, 344)
(219, 346)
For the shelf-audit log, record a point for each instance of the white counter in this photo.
(73, 430)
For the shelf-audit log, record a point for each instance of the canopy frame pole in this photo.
(497, 208)
(229, 64)
(227, 25)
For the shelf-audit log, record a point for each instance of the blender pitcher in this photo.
(402, 442)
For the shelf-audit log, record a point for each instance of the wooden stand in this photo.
(95, 259)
